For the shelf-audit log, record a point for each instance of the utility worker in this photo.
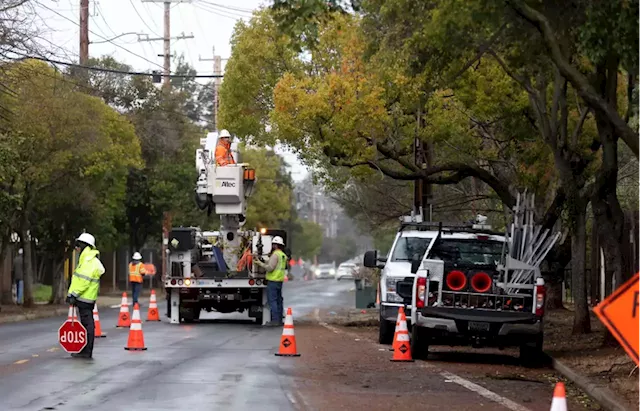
(85, 284)
(223, 149)
(136, 272)
(276, 271)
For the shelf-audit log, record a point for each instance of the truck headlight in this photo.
(394, 298)
(391, 283)
(317, 272)
(332, 272)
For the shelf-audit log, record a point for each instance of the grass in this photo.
(42, 293)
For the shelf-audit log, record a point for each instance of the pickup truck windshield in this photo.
(407, 247)
(470, 251)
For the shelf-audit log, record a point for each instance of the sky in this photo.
(211, 23)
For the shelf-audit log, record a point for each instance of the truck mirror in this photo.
(370, 259)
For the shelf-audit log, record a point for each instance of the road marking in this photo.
(34, 355)
(21, 361)
(505, 402)
(290, 397)
(53, 349)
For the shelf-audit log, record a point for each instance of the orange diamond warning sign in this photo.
(620, 312)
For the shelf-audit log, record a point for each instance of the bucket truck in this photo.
(215, 270)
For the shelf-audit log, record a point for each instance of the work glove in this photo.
(71, 299)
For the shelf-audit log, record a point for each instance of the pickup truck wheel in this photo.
(386, 330)
(531, 354)
(419, 343)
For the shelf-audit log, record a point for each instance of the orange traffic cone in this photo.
(395, 334)
(559, 402)
(152, 313)
(123, 318)
(401, 342)
(288, 340)
(96, 320)
(136, 338)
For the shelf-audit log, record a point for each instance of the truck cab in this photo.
(413, 241)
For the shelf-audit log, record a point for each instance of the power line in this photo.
(103, 38)
(143, 21)
(224, 6)
(106, 70)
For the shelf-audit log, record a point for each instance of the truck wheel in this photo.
(419, 343)
(531, 354)
(386, 331)
(259, 318)
(190, 314)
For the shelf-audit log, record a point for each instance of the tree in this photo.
(308, 243)
(87, 148)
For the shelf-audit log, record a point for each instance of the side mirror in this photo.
(370, 259)
(415, 265)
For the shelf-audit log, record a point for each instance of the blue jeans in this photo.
(274, 296)
(135, 291)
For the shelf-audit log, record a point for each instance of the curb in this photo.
(603, 396)
(38, 316)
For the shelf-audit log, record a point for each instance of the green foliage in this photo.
(307, 242)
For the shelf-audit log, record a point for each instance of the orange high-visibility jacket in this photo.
(223, 154)
(136, 271)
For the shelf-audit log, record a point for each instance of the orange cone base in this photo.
(392, 360)
(153, 321)
(287, 355)
(135, 349)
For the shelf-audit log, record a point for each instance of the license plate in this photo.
(476, 326)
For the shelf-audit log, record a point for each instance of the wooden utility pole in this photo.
(217, 70)
(166, 38)
(84, 32)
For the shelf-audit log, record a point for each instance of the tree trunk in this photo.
(553, 274)
(594, 279)
(5, 275)
(59, 287)
(581, 320)
(28, 268)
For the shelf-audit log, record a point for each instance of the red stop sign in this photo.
(72, 336)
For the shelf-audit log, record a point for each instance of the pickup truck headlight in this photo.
(332, 272)
(394, 298)
(391, 284)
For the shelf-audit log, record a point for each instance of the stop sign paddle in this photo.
(72, 336)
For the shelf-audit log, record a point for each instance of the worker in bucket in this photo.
(136, 274)
(223, 149)
(276, 270)
(85, 284)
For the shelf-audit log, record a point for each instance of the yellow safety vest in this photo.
(85, 282)
(279, 273)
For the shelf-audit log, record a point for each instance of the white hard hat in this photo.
(224, 133)
(137, 256)
(87, 239)
(277, 240)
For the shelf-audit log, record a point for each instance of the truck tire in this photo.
(419, 343)
(386, 331)
(531, 354)
(259, 317)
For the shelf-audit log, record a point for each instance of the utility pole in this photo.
(217, 70)
(167, 36)
(84, 32)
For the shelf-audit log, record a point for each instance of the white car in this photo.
(346, 271)
(325, 271)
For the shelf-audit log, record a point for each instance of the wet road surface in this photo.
(225, 362)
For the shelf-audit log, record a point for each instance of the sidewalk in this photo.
(16, 313)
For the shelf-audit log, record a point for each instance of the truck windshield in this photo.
(472, 251)
(408, 247)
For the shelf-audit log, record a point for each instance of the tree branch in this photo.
(577, 79)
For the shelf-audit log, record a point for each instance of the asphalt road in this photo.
(225, 362)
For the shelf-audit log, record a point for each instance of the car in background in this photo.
(324, 271)
(346, 271)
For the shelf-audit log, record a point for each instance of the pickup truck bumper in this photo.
(458, 326)
(389, 311)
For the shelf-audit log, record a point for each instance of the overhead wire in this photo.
(92, 32)
(227, 7)
(142, 19)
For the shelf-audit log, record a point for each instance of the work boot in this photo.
(81, 355)
(272, 324)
